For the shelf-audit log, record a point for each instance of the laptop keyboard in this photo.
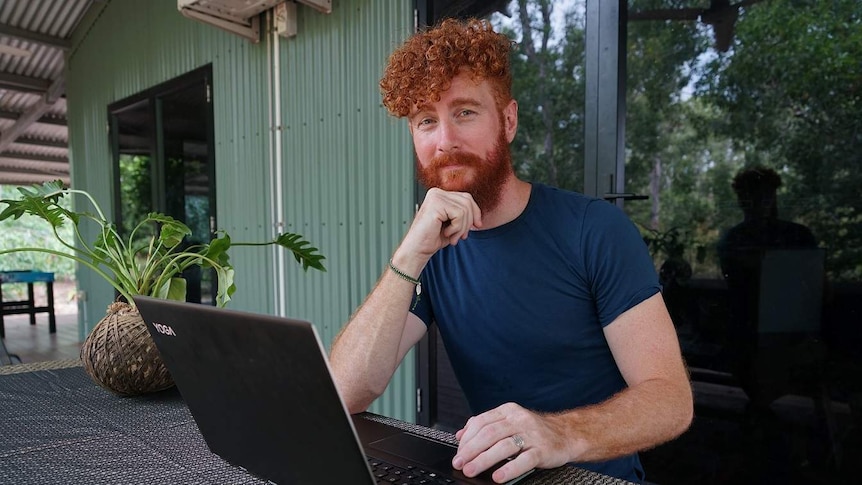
(410, 475)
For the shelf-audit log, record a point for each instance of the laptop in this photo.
(260, 390)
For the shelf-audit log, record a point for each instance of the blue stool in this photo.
(29, 305)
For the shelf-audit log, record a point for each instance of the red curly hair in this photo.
(421, 69)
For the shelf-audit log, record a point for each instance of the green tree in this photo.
(791, 91)
(659, 64)
(786, 94)
(669, 154)
(135, 190)
(547, 67)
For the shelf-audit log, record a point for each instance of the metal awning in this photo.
(34, 40)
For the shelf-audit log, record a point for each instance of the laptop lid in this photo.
(261, 392)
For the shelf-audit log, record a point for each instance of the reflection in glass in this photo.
(776, 87)
(135, 183)
(135, 154)
(187, 174)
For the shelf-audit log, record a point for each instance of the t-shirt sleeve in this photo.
(420, 305)
(620, 270)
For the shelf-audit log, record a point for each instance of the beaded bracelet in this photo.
(409, 278)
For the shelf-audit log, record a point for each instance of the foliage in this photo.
(657, 139)
(547, 68)
(150, 266)
(135, 187)
(675, 243)
(681, 165)
(786, 95)
(792, 97)
(671, 243)
(23, 233)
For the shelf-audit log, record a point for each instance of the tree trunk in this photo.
(654, 192)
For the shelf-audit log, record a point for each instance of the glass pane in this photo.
(164, 164)
(548, 83)
(134, 145)
(744, 125)
(188, 181)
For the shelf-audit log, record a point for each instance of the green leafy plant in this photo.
(671, 243)
(138, 265)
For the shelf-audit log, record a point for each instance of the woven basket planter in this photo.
(120, 355)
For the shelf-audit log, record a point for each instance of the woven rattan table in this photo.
(57, 426)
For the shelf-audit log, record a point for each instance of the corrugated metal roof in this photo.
(34, 38)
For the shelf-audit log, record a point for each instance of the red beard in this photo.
(481, 178)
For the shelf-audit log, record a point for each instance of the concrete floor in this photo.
(33, 343)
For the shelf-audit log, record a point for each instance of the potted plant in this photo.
(675, 270)
(119, 353)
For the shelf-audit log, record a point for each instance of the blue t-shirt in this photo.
(521, 307)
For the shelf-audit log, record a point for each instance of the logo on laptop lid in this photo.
(164, 329)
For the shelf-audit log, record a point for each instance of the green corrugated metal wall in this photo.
(346, 167)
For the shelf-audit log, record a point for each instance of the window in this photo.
(771, 97)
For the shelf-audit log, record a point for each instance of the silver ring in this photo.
(519, 442)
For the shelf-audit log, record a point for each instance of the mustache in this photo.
(454, 158)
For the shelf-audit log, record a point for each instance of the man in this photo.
(741, 251)
(547, 301)
(756, 191)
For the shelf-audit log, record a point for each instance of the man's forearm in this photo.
(365, 353)
(635, 419)
(369, 348)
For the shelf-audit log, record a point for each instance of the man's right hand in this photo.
(444, 218)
